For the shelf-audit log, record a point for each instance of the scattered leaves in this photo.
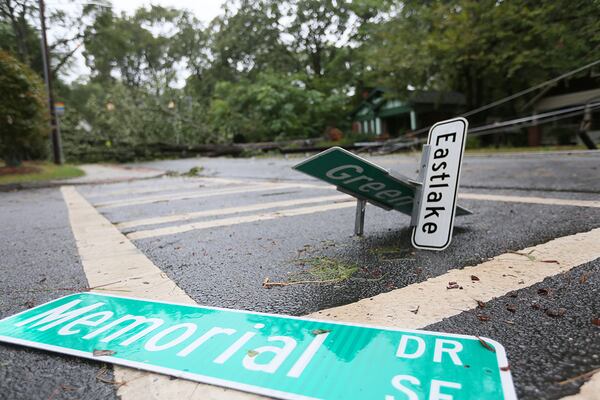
(535, 306)
(474, 278)
(505, 369)
(558, 312)
(100, 376)
(415, 311)
(596, 321)
(483, 318)
(528, 255)
(584, 376)
(543, 291)
(484, 344)
(320, 331)
(452, 285)
(550, 261)
(252, 353)
(511, 307)
(101, 353)
(584, 278)
(513, 294)
(480, 304)
(322, 270)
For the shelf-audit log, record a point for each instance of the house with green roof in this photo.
(385, 115)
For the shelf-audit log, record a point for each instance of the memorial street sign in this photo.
(362, 179)
(274, 355)
(435, 214)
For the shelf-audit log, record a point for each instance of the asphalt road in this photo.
(226, 265)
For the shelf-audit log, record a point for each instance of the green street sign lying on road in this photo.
(360, 178)
(274, 355)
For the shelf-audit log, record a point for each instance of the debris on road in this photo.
(453, 285)
(101, 353)
(320, 331)
(559, 312)
(585, 376)
(485, 344)
(324, 270)
(101, 376)
(543, 291)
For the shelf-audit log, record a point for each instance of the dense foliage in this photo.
(23, 112)
(272, 70)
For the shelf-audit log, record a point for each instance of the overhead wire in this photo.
(537, 119)
(518, 94)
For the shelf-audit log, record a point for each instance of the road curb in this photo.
(12, 187)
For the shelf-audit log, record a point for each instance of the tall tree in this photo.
(139, 50)
(483, 48)
(19, 22)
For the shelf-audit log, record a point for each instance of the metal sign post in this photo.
(359, 222)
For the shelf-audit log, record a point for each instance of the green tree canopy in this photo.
(23, 112)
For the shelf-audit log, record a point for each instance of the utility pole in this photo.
(584, 128)
(56, 141)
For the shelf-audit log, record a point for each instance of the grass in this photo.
(326, 270)
(37, 171)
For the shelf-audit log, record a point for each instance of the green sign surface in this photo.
(273, 355)
(362, 179)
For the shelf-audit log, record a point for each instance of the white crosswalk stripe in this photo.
(531, 200)
(195, 194)
(171, 230)
(230, 210)
(163, 186)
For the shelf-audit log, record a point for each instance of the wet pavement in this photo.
(226, 265)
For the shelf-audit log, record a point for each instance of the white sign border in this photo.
(462, 153)
(506, 380)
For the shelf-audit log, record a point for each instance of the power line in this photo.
(531, 89)
(537, 117)
(533, 122)
(526, 121)
(518, 94)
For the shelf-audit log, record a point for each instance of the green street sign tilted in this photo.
(274, 355)
(362, 179)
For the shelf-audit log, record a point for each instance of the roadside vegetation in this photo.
(163, 83)
(36, 171)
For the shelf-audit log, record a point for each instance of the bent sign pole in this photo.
(440, 177)
(273, 355)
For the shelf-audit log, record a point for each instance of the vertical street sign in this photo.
(59, 108)
(273, 355)
(442, 161)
